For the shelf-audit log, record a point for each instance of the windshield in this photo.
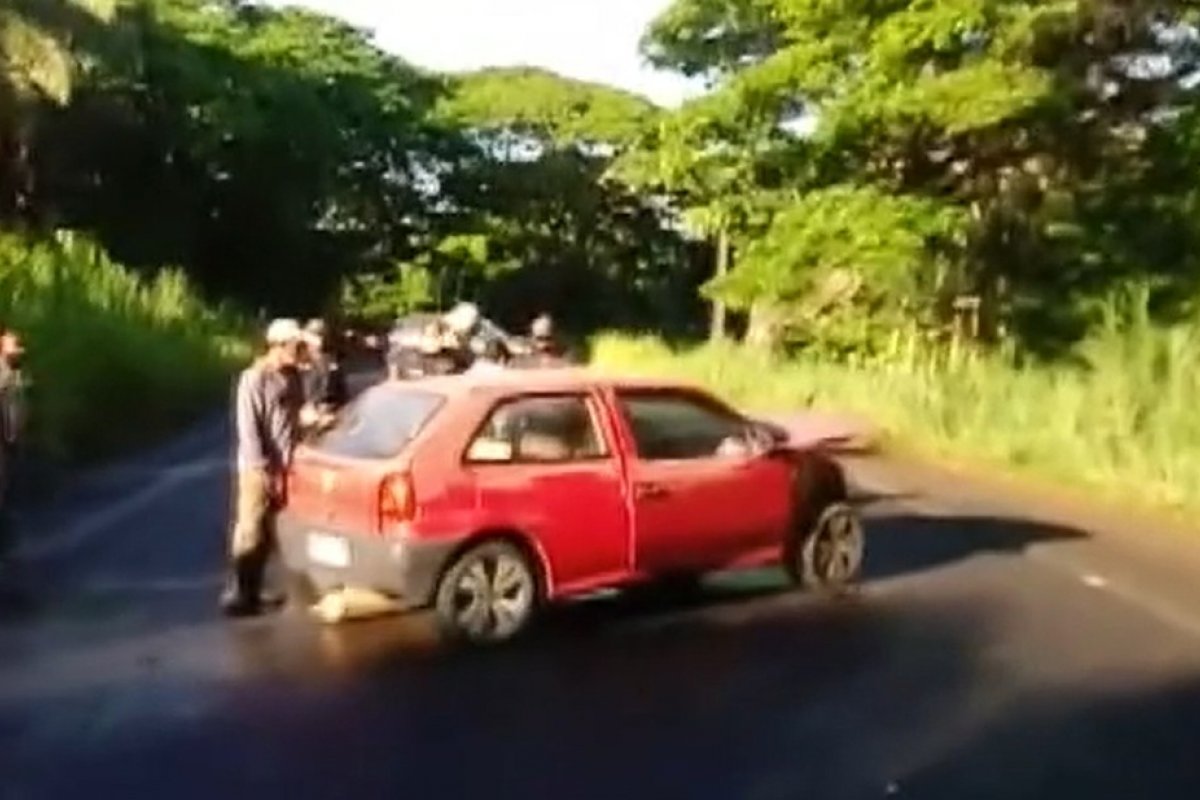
(379, 423)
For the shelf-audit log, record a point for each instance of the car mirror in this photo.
(762, 439)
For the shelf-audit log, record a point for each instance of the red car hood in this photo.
(834, 431)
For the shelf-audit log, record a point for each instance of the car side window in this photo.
(669, 426)
(538, 430)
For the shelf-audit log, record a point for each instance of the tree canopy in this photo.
(1017, 119)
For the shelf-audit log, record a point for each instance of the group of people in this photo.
(453, 343)
(297, 385)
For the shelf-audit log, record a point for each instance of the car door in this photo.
(698, 504)
(543, 465)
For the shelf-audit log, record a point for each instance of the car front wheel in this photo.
(488, 595)
(829, 556)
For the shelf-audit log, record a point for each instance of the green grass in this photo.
(1123, 418)
(115, 360)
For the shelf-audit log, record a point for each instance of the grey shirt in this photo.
(266, 418)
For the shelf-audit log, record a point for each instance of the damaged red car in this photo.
(486, 497)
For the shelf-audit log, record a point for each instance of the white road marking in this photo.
(102, 520)
(1145, 600)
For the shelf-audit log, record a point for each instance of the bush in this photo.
(1121, 416)
(115, 360)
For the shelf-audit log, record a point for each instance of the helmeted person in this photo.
(461, 324)
(267, 427)
(546, 353)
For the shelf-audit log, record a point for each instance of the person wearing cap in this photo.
(545, 352)
(266, 424)
(321, 375)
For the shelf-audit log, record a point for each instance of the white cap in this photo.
(462, 318)
(284, 331)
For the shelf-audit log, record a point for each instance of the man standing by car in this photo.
(266, 416)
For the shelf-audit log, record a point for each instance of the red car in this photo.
(485, 496)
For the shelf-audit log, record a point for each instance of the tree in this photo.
(37, 66)
(548, 229)
(276, 150)
(1014, 116)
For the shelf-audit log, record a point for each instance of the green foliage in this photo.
(1041, 125)
(35, 61)
(1121, 420)
(538, 103)
(888, 242)
(115, 360)
(377, 298)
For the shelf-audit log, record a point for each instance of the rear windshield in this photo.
(379, 423)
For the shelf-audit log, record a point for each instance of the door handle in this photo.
(649, 491)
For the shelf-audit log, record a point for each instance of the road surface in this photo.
(989, 654)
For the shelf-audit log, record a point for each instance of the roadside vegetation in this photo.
(115, 359)
(1120, 418)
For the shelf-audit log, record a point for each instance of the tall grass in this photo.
(1121, 416)
(114, 359)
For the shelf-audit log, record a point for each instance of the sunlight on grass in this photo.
(1123, 419)
(115, 359)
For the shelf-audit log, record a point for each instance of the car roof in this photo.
(515, 381)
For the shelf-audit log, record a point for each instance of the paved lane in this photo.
(988, 656)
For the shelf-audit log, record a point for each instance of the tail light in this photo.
(396, 501)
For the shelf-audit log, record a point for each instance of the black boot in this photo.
(240, 596)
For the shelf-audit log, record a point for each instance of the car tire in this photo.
(828, 557)
(487, 596)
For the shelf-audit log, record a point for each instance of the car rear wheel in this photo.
(829, 557)
(488, 595)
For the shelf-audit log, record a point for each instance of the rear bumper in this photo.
(401, 567)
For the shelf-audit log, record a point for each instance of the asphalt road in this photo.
(989, 654)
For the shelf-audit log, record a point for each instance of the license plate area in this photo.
(328, 551)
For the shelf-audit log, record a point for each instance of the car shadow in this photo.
(903, 544)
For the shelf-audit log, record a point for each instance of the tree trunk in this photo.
(764, 331)
(17, 179)
(8, 175)
(717, 331)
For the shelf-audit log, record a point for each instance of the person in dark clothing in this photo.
(546, 352)
(323, 380)
(267, 425)
(13, 387)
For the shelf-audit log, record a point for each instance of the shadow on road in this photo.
(741, 690)
(1079, 742)
(901, 544)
